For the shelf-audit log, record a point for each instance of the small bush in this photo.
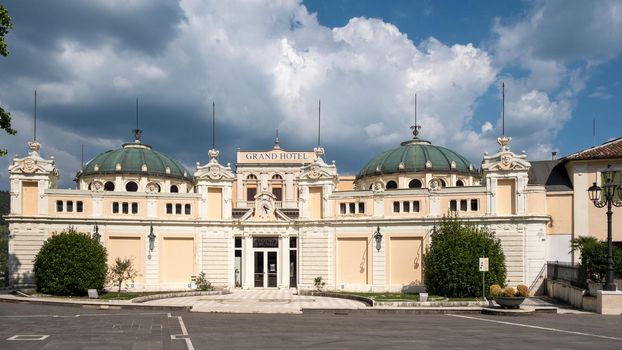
(509, 292)
(122, 270)
(522, 290)
(319, 283)
(496, 291)
(70, 263)
(451, 262)
(203, 283)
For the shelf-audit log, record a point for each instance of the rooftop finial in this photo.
(415, 128)
(503, 109)
(35, 125)
(276, 140)
(137, 131)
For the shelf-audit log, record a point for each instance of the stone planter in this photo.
(594, 287)
(509, 302)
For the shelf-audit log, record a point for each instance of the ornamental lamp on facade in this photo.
(378, 238)
(601, 197)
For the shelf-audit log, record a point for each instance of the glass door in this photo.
(272, 269)
(259, 269)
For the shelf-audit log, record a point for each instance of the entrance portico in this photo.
(269, 261)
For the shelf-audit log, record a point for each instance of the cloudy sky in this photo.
(267, 63)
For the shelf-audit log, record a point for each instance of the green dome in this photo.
(135, 158)
(413, 156)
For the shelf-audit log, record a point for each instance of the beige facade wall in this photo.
(353, 261)
(315, 202)
(405, 259)
(480, 198)
(214, 203)
(142, 206)
(177, 260)
(87, 205)
(30, 195)
(346, 183)
(424, 205)
(559, 208)
(128, 246)
(536, 202)
(506, 197)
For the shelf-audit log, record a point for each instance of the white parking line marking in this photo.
(536, 327)
(28, 337)
(184, 332)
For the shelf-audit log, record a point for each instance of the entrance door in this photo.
(266, 269)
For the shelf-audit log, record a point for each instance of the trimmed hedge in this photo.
(451, 263)
(70, 263)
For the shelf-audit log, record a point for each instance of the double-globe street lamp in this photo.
(604, 196)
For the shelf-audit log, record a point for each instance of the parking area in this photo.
(82, 328)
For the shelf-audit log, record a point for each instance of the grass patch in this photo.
(105, 295)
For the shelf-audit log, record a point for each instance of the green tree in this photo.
(70, 263)
(451, 263)
(5, 116)
(594, 257)
(122, 270)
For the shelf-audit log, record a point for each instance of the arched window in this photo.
(371, 187)
(174, 189)
(277, 177)
(443, 184)
(251, 177)
(415, 183)
(131, 186)
(90, 184)
(459, 183)
(391, 185)
(109, 186)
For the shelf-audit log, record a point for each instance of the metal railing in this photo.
(568, 272)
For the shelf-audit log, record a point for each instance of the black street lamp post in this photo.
(604, 196)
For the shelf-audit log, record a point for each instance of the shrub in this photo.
(122, 270)
(509, 292)
(69, 263)
(522, 290)
(594, 257)
(451, 262)
(319, 283)
(203, 283)
(496, 290)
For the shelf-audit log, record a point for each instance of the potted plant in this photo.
(508, 297)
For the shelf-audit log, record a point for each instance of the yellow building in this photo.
(285, 217)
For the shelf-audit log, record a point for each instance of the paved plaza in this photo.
(259, 301)
(29, 326)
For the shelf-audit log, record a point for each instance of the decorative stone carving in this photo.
(152, 188)
(435, 185)
(29, 165)
(97, 186)
(378, 186)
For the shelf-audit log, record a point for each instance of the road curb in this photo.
(94, 305)
(399, 310)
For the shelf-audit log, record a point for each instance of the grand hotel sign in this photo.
(274, 156)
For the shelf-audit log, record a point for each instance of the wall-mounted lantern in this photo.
(378, 238)
(152, 238)
(96, 236)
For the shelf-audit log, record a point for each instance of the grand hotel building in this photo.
(283, 218)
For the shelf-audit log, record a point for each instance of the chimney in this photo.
(554, 155)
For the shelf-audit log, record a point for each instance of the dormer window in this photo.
(174, 189)
(131, 186)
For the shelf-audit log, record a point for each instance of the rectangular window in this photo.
(169, 208)
(79, 206)
(59, 206)
(126, 207)
(238, 242)
(278, 193)
(463, 205)
(406, 206)
(352, 208)
(415, 206)
(396, 207)
(293, 242)
(178, 208)
(69, 206)
(250, 193)
(134, 208)
(453, 205)
(115, 207)
(342, 208)
(361, 208)
(187, 209)
(474, 205)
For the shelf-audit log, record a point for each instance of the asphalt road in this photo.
(61, 327)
